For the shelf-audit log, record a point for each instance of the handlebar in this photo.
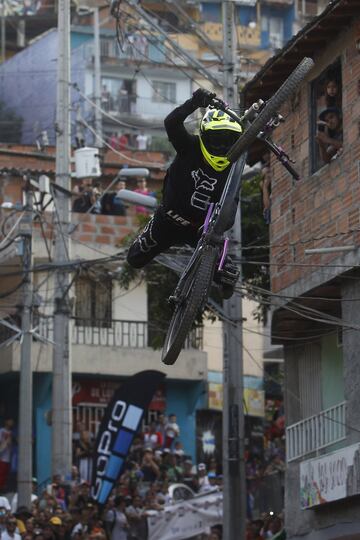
(220, 104)
(246, 118)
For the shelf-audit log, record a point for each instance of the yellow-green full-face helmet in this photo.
(218, 133)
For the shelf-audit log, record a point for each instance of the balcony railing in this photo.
(316, 432)
(112, 333)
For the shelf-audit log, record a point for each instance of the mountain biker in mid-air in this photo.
(195, 178)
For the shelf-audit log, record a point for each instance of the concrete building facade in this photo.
(314, 276)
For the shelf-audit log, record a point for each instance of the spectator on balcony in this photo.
(123, 142)
(114, 142)
(143, 190)
(142, 141)
(105, 98)
(112, 205)
(84, 196)
(6, 447)
(96, 195)
(331, 93)
(329, 136)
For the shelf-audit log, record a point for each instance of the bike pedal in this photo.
(229, 279)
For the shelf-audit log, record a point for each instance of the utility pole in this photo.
(61, 389)
(3, 32)
(234, 489)
(97, 78)
(24, 476)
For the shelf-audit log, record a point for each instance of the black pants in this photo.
(159, 234)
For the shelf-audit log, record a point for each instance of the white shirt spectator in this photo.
(6, 536)
(120, 528)
(142, 141)
(172, 430)
(4, 503)
(204, 484)
(79, 528)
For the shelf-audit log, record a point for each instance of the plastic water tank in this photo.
(87, 162)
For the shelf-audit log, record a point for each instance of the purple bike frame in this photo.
(224, 253)
(226, 241)
(208, 216)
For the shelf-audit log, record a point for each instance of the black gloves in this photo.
(202, 98)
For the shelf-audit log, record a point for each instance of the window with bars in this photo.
(93, 302)
(164, 91)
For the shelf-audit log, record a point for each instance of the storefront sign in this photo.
(86, 391)
(186, 519)
(254, 402)
(254, 399)
(215, 396)
(331, 477)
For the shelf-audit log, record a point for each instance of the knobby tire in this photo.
(271, 107)
(197, 285)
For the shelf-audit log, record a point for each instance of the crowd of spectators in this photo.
(129, 141)
(66, 511)
(90, 197)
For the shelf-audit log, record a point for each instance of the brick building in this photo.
(316, 295)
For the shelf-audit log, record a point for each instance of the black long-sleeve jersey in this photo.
(191, 184)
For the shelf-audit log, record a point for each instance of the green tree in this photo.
(255, 244)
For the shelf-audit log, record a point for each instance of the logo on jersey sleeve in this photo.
(204, 186)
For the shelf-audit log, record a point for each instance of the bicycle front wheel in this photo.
(194, 294)
(271, 107)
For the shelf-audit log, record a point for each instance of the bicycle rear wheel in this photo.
(271, 107)
(194, 294)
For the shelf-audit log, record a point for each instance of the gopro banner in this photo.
(118, 427)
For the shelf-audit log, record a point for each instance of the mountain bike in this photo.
(193, 288)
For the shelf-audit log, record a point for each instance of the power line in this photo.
(108, 115)
(300, 265)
